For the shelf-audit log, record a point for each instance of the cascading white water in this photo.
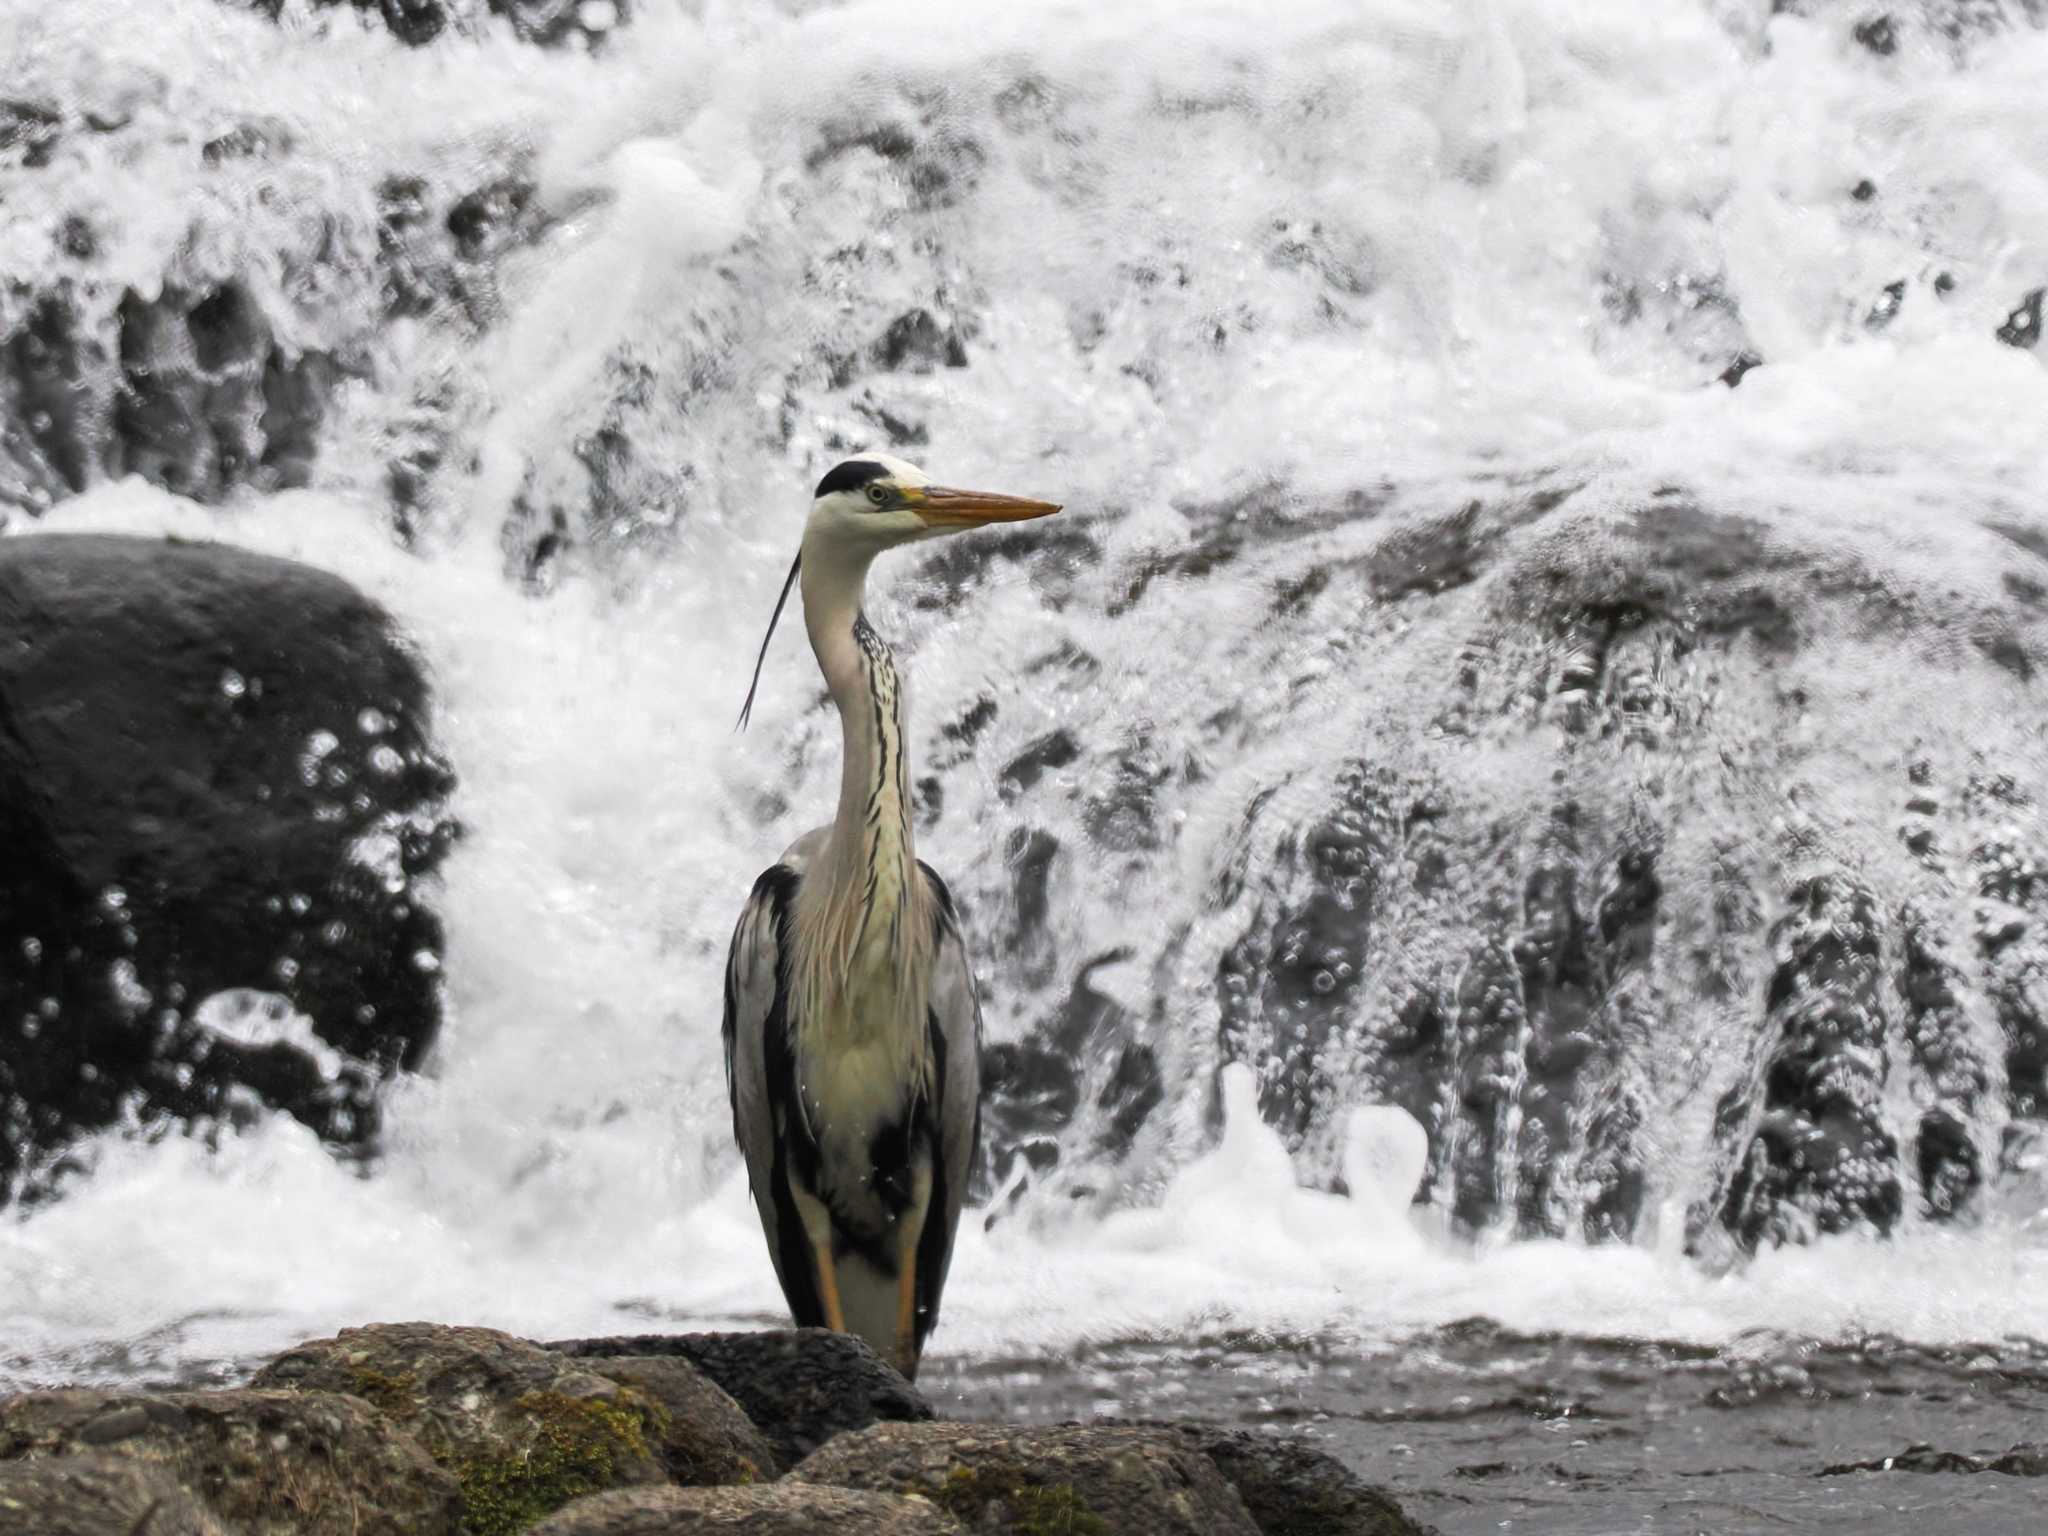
(1189, 255)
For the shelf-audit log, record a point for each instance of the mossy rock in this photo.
(94, 1493)
(265, 1463)
(1003, 1480)
(768, 1509)
(708, 1440)
(522, 1429)
(802, 1386)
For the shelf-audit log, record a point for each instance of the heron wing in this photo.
(956, 1107)
(760, 1077)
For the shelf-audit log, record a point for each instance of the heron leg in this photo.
(828, 1286)
(909, 1227)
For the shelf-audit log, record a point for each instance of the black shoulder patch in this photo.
(947, 916)
(850, 476)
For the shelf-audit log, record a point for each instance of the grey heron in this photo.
(852, 1029)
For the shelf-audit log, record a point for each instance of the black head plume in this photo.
(747, 709)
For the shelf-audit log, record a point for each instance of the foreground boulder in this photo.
(802, 1386)
(265, 1463)
(783, 1509)
(1293, 1489)
(90, 1495)
(1013, 1481)
(522, 1429)
(218, 797)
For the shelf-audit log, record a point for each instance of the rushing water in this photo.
(1318, 270)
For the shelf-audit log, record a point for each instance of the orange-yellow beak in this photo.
(943, 507)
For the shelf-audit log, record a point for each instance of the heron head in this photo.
(878, 501)
(874, 502)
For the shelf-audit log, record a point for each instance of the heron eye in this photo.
(877, 495)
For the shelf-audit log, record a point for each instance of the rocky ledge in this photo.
(415, 1429)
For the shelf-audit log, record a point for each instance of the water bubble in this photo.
(233, 684)
(386, 761)
(373, 722)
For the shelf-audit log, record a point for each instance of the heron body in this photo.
(852, 1030)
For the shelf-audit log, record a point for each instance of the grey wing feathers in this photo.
(956, 1010)
(752, 971)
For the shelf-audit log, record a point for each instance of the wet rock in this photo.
(521, 1429)
(190, 389)
(1878, 34)
(1032, 1088)
(1055, 749)
(801, 1386)
(1740, 368)
(267, 1463)
(1954, 1078)
(1292, 1489)
(2022, 328)
(94, 1495)
(30, 129)
(916, 342)
(218, 792)
(706, 1437)
(555, 22)
(785, 1509)
(1811, 1151)
(2024, 1460)
(1011, 1481)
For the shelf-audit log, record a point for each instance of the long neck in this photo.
(863, 908)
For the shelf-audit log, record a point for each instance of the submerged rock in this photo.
(265, 1463)
(521, 1429)
(802, 1386)
(783, 1509)
(2024, 1460)
(220, 802)
(1011, 1481)
(93, 1495)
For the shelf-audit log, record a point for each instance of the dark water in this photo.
(1479, 1430)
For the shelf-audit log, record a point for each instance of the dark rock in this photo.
(554, 22)
(265, 1463)
(189, 389)
(2022, 327)
(1293, 1489)
(1956, 1078)
(707, 1437)
(1739, 369)
(521, 1429)
(247, 141)
(1031, 1088)
(30, 127)
(1864, 190)
(1010, 1481)
(1878, 34)
(784, 1509)
(2024, 1460)
(1811, 1152)
(1055, 749)
(1886, 308)
(916, 342)
(801, 1386)
(98, 1495)
(215, 778)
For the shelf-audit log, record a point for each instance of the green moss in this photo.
(1038, 1509)
(578, 1448)
(390, 1394)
